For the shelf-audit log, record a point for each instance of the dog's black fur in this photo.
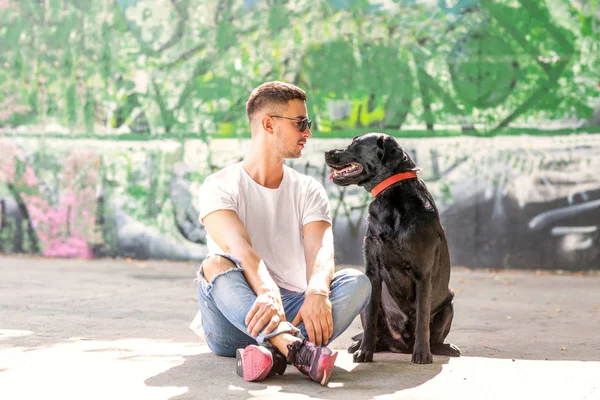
(406, 254)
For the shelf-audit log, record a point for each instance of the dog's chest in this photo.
(385, 231)
(388, 242)
(387, 250)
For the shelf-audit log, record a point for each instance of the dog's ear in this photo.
(386, 146)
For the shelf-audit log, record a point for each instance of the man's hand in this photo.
(266, 310)
(318, 321)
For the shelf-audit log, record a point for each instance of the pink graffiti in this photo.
(7, 162)
(8, 150)
(29, 176)
(57, 228)
(67, 228)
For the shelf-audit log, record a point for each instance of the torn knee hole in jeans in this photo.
(208, 285)
(221, 273)
(221, 262)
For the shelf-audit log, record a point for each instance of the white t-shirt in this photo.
(273, 217)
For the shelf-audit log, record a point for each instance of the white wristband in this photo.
(320, 292)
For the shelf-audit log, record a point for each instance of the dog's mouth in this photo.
(346, 170)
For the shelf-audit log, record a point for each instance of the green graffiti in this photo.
(489, 81)
(185, 68)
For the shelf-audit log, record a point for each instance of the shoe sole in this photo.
(253, 363)
(327, 364)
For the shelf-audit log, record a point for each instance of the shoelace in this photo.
(297, 357)
(307, 359)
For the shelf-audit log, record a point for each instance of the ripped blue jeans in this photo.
(225, 301)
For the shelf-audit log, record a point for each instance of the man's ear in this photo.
(267, 124)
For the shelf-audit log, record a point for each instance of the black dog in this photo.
(406, 253)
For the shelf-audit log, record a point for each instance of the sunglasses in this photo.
(302, 124)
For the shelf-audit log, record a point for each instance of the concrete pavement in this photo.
(106, 329)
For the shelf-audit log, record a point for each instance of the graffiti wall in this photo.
(112, 113)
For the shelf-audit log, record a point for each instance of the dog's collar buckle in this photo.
(391, 180)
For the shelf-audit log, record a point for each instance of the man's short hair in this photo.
(271, 94)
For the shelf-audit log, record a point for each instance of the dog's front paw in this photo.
(354, 346)
(422, 356)
(453, 350)
(363, 355)
(445, 349)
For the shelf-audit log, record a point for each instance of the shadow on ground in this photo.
(388, 374)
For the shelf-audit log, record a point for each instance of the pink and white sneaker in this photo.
(315, 362)
(255, 363)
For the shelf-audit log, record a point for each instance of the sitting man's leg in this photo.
(222, 337)
(350, 292)
(225, 299)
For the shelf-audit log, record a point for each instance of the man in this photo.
(268, 293)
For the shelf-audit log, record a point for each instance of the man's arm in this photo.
(318, 252)
(316, 309)
(228, 231)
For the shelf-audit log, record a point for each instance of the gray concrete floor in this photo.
(106, 329)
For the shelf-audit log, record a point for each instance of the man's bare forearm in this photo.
(227, 230)
(258, 276)
(255, 270)
(322, 271)
(320, 263)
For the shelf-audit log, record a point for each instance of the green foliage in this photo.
(186, 67)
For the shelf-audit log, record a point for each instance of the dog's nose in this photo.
(331, 155)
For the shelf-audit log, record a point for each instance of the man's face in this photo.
(289, 140)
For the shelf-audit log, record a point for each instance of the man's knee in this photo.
(360, 282)
(363, 284)
(214, 265)
(353, 294)
(222, 351)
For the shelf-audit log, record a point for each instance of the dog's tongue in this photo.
(331, 176)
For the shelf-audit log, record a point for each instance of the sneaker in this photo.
(316, 362)
(255, 363)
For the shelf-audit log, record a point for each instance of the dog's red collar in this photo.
(391, 180)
